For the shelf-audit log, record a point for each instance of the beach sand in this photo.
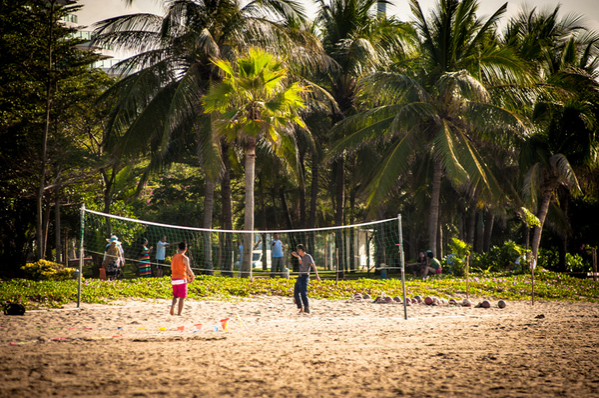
(344, 348)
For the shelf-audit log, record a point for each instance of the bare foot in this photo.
(172, 310)
(301, 311)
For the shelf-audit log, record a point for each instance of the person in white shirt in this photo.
(160, 256)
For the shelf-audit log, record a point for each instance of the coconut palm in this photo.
(566, 57)
(158, 101)
(254, 101)
(440, 110)
(359, 42)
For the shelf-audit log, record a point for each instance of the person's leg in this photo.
(278, 266)
(296, 294)
(181, 302)
(173, 305)
(304, 292)
(273, 267)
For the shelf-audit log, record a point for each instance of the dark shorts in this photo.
(159, 264)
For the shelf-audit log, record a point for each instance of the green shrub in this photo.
(44, 270)
(499, 259)
(549, 259)
(456, 261)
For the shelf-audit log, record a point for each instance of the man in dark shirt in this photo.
(300, 290)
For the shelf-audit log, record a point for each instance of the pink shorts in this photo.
(438, 271)
(180, 290)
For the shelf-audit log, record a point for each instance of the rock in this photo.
(486, 304)
(501, 304)
(397, 299)
(366, 296)
(428, 300)
(418, 299)
(467, 303)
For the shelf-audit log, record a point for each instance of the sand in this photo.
(343, 348)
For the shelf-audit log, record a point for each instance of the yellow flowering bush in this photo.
(44, 270)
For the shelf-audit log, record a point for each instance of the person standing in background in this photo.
(277, 257)
(161, 256)
(145, 271)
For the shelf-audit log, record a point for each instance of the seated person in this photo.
(419, 265)
(433, 265)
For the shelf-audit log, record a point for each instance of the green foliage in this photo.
(548, 285)
(529, 218)
(500, 259)
(43, 270)
(457, 259)
(549, 259)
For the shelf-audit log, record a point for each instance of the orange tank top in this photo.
(178, 268)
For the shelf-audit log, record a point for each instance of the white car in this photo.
(256, 260)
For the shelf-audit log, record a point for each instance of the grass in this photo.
(55, 294)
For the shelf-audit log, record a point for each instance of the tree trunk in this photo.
(339, 206)
(314, 191)
(434, 209)
(227, 213)
(440, 244)
(41, 238)
(250, 173)
(286, 208)
(302, 192)
(488, 231)
(45, 227)
(563, 244)
(207, 224)
(536, 237)
(471, 227)
(352, 248)
(480, 232)
(57, 226)
(108, 184)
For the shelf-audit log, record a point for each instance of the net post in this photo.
(81, 233)
(403, 268)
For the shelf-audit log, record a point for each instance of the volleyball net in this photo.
(371, 247)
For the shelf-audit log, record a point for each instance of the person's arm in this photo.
(188, 269)
(316, 272)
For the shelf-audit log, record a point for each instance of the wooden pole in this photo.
(533, 264)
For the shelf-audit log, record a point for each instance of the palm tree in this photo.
(440, 108)
(566, 57)
(545, 171)
(254, 101)
(359, 42)
(158, 101)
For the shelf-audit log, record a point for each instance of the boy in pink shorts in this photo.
(181, 274)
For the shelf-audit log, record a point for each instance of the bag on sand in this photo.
(14, 309)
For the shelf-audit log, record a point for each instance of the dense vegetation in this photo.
(481, 129)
